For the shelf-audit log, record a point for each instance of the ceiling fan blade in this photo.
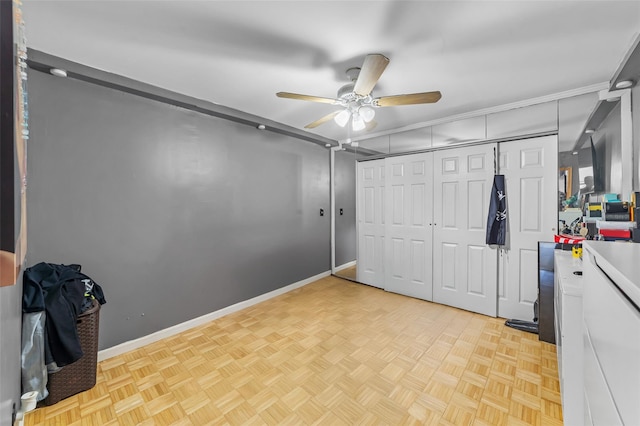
(371, 125)
(322, 120)
(411, 99)
(307, 98)
(370, 72)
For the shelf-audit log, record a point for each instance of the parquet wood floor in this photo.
(333, 352)
(350, 273)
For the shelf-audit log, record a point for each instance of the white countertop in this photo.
(621, 262)
(566, 264)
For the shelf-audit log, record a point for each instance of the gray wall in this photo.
(174, 213)
(345, 193)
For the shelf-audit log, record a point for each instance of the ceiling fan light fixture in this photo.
(367, 113)
(358, 123)
(342, 118)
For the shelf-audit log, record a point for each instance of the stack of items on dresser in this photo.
(615, 219)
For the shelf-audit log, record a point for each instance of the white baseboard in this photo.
(345, 265)
(179, 328)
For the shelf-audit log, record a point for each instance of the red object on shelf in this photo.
(568, 239)
(616, 233)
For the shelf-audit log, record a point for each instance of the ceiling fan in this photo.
(356, 100)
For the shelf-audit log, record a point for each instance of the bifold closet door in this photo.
(464, 267)
(530, 167)
(370, 210)
(408, 225)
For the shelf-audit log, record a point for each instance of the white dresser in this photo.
(611, 333)
(568, 328)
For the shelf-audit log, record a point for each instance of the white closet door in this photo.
(371, 202)
(408, 227)
(464, 267)
(530, 167)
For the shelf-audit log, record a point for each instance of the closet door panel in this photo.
(531, 186)
(408, 232)
(449, 255)
(464, 267)
(449, 206)
(371, 203)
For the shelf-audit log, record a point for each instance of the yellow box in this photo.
(576, 251)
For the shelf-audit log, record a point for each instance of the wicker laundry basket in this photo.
(80, 375)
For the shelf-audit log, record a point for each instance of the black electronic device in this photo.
(617, 217)
(619, 207)
(634, 201)
(616, 211)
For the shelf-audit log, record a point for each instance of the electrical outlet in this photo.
(321, 212)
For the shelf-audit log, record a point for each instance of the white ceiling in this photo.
(479, 54)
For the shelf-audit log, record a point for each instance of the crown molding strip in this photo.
(457, 145)
(492, 110)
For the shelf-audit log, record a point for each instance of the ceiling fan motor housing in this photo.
(345, 91)
(353, 73)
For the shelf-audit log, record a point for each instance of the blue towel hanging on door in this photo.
(497, 220)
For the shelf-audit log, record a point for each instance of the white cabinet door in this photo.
(408, 224)
(464, 267)
(611, 333)
(530, 168)
(371, 202)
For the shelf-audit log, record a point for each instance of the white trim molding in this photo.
(491, 110)
(345, 266)
(179, 328)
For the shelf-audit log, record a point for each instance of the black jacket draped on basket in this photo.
(60, 291)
